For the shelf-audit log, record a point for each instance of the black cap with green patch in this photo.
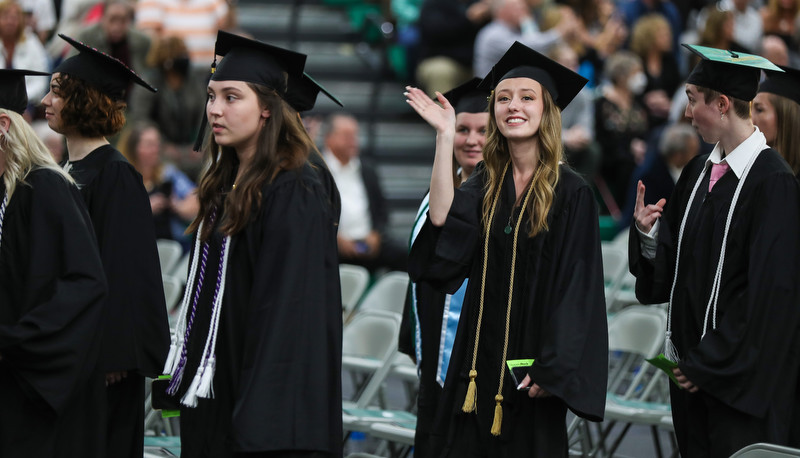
(735, 74)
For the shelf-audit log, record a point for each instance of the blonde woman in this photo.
(651, 40)
(524, 230)
(51, 290)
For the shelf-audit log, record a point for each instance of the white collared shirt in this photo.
(355, 222)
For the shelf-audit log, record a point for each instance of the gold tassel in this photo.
(469, 401)
(498, 415)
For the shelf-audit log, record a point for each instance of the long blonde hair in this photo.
(545, 177)
(23, 151)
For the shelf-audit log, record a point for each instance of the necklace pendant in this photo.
(507, 229)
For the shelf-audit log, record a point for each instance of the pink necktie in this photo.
(717, 170)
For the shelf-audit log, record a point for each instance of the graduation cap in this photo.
(13, 92)
(108, 74)
(302, 93)
(785, 84)
(255, 62)
(735, 74)
(521, 61)
(468, 98)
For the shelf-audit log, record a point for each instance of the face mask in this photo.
(637, 82)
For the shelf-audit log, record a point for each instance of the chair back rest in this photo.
(173, 287)
(638, 329)
(387, 294)
(169, 252)
(354, 281)
(371, 335)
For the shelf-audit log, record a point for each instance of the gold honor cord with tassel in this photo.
(472, 389)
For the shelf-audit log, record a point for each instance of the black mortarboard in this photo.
(108, 74)
(13, 92)
(785, 84)
(252, 61)
(735, 74)
(302, 93)
(521, 61)
(468, 98)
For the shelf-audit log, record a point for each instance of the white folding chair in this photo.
(368, 342)
(181, 268)
(173, 288)
(764, 450)
(388, 294)
(615, 265)
(354, 281)
(169, 252)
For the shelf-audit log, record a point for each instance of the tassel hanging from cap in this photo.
(497, 423)
(469, 400)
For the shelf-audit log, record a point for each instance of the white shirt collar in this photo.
(740, 156)
(336, 166)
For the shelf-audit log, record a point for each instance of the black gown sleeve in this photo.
(573, 364)
(442, 256)
(135, 326)
(740, 361)
(53, 345)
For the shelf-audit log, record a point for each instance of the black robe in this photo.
(134, 327)
(558, 316)
(277, 384)
(749, 363)
(51, 290)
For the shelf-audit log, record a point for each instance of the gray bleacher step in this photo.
(273, 20)
(335, 60)
(357, 98)
(404, 139)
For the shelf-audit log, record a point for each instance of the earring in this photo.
(722, 116)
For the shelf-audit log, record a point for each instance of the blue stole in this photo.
(452, 309)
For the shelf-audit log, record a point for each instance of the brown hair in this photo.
(545, 177)
(87, 110)
(787, 142)
(740, 107)
(283, 144)
(165, 50)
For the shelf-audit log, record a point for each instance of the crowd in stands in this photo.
(628, 49)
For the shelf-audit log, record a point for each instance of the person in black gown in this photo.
(256, 360)
(524, 229)
(430, 317)
(723, 251)
(85, 104)
(51, 296)
(776, 113)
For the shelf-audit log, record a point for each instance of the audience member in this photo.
(178, 105)
(717, 32)
(776, 112)
(173, 197)
(779, 18)
(115, 36)
(21, 48)
(196, 22)
(40, 17)
(633, 10)
(362, 234)
(600, 32)
(621, 122)
(512, 20)
(748, 28)
(581, 151)
(651, 40)
(775, 50)
(447, 39)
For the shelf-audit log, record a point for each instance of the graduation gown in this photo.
(750, 361)
(51, 302)
(277, 384)
(558, 315)
(135, 327)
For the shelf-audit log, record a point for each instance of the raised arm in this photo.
(443, 119)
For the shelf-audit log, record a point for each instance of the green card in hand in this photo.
(665, 365)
